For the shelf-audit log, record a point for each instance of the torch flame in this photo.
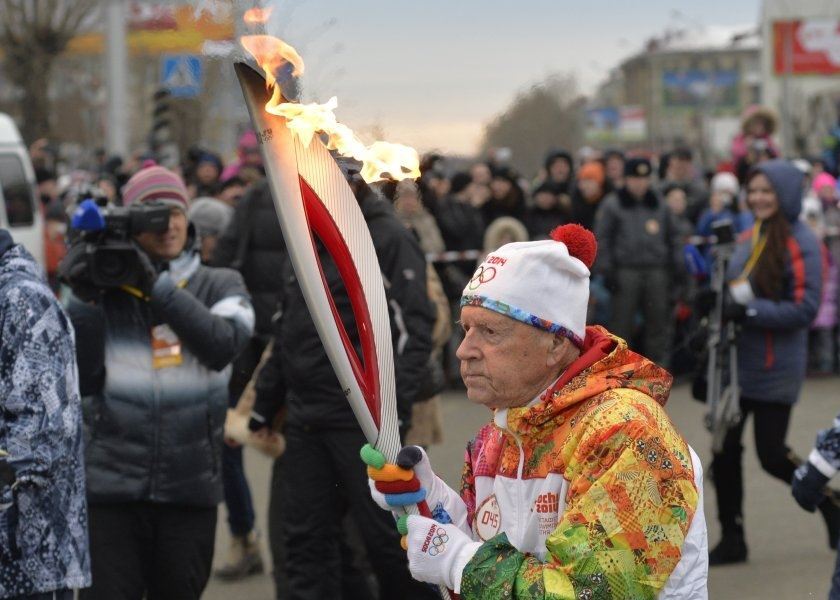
(271, 53)
(305, 120)
(257, 16)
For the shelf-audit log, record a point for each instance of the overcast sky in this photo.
(431, 73)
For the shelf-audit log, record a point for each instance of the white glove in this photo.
(438, 553)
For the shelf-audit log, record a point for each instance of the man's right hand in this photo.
(394, 486)
(410, 481)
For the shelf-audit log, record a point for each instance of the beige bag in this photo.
(236, 423)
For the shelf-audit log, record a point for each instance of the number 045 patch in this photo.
(488, 519)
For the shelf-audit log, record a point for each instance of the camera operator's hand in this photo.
(149, 273)
(73, 271)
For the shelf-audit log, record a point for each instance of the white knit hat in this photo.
(544, 284)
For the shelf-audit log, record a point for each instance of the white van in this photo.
(19, 209)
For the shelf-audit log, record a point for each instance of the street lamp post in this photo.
(116, 58)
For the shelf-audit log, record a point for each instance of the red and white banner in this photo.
(807, 47)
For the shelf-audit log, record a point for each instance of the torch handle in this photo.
(390, 451)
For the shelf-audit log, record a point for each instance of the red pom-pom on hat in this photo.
(579, 240)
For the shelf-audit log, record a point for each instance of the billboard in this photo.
(806, 47)
(698, 89)
(616, 124)
(160, 28)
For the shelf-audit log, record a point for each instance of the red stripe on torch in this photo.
(324, 227)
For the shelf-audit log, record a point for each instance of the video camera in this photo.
(103, 233)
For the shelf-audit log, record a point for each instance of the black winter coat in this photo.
(461, 225)
(299, 375)
(253, 245)
(155, 434)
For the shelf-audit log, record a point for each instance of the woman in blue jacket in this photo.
(774, 291)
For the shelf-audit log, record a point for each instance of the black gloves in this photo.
(148, 274)
(73, 272)
(808, 486)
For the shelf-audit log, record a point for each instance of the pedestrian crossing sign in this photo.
(182, 75)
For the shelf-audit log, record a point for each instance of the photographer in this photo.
(773, 293)
(154, 367)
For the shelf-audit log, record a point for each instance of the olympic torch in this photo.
(314, 203)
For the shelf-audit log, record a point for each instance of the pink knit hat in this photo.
(154, 182)
(822, 180)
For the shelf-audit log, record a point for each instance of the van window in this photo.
(16, 192)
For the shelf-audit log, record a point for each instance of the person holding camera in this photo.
(154, 362)
(773, 293)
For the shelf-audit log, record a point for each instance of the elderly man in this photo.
(581, 487)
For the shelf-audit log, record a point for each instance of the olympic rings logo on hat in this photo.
(438, 544)
(482, 275)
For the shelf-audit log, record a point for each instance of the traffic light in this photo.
(162, 138)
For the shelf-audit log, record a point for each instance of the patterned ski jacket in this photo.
(589, 492)
(825, 455)
(43, 515)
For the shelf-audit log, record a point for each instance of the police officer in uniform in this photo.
(640, 259)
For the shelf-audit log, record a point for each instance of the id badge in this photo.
(741, 291)
(166, 348)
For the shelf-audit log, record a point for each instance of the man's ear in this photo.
(561, 352)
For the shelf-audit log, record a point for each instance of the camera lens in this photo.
(113, 267)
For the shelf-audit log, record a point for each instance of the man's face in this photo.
(481, 174)
(231, 195)
(637, 186)
(545, 200)
(206, 173)
(615, 168)
(560, 170)
(679, 169)
(169, 244)
(589, 188)
(505, 363)
(252, 157)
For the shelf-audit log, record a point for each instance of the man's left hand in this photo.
(437, 553)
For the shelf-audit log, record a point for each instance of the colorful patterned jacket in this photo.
(587, 493)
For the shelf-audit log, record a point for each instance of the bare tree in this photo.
(547, 116)
(33, 33)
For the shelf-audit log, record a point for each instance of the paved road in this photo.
(789, 557)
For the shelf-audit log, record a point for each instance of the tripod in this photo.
(722, 405)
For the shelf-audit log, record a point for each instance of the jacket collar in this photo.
(650, 200)
(605, 363)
